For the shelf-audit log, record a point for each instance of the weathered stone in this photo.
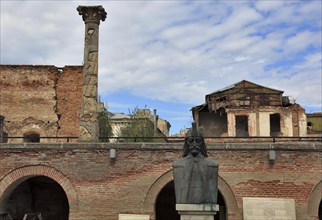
(90, 106)
(133, 217)
(197, 211)
(85, 133)
(268, 208)
(92, 15)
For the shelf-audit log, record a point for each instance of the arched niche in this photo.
(224, 189)
(314, 205)
(15, 178)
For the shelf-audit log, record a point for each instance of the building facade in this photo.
(314, 124)
(121, 120)
(246, 109)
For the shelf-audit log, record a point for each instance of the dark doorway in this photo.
(242, 126)
(165, 206)
(38, 195)
(275, 125)
(31, 137)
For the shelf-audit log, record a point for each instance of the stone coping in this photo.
(133, 217)
(197, 207)
(280, 146)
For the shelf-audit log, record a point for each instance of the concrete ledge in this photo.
(280, 146)
(133, 217)
(197, 207)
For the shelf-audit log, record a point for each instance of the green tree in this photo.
(105, 129)
(139, 128)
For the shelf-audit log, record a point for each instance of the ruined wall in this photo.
(98, 188)
(292, 120)
(69, 100)
(213, 124)
(34, 99)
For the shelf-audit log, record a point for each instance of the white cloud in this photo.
(302, 40)
(269, 5)
(175, 51)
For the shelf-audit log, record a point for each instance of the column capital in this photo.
(92, 14)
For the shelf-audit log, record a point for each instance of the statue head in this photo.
(194, 143)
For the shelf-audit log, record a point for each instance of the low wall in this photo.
(100, 188)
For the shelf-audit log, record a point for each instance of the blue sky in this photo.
(167, 55)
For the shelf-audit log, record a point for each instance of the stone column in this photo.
(1, 128)
(92, 15)
(197, 211)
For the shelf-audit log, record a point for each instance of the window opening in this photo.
(275, 125)
(242, 126)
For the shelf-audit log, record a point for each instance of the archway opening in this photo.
(165, 205)
(38, 194)
(31, 137)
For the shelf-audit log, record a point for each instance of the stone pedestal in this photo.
(197, 211)
(133, 217)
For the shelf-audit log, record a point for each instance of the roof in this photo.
(237, 83)
(119, 116)
(315, 114)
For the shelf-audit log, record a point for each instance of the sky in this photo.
(167, 55)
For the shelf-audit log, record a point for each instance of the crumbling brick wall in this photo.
(32, 100)
(69, 100)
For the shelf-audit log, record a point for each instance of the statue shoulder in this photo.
(179, 162)
(212, 162)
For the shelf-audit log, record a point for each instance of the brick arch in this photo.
(9, 182)
(156, 187)
(32, 129)
(151, 196)
(314, 201)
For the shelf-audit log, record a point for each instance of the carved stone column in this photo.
(1, 128)
(92, 15)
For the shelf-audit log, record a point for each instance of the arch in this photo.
(9, 182)
(31, 137)
(165, 203)
(31, 125)
(32, 129)
(314, 202)
(157, 186)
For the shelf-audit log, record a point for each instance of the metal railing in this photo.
(68, 139)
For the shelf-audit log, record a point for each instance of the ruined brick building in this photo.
(247, 109)
(41, 100)
(99, 181)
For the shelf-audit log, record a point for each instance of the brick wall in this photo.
(41, 99)
(69, 100)
(99, 188)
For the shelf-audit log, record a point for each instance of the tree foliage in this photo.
(105, 128)
(139, 128)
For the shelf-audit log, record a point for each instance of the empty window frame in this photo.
(275, 124)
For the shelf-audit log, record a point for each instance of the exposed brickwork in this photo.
(69, 100)
(40, 99)
(130, 184)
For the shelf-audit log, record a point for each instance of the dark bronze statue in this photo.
(195, 175)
